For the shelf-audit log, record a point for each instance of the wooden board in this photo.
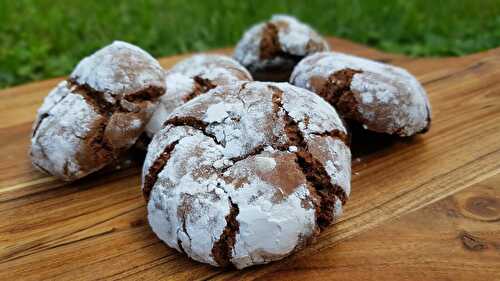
(421, 208)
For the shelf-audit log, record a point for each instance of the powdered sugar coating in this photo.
(313, 117)
(236, 164)
(334, 156)
(80, 129)
(178, 87)
(219, 69)
(238, 121)
(119, 69)
(198, 228)
(247, 51)
(295, 39)
(284, 223)
(181, 84)
(390, 99)
(55, 139)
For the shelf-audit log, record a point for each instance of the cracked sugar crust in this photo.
(241, 161)
(381, 97)
(218, 69)
(119, 69)
(192, 77)
(79, 129)
(271, 49)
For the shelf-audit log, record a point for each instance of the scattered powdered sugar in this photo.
(389, 94)
(338, 209)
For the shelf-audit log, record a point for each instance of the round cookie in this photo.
(271, 49)
(381, 97)
(192, 77)
(247, 173)
(90, 119)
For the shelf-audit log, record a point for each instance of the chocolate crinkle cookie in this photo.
(192, 77)
(381, 97)
(247, 173)
(271, 49)
(93, 117)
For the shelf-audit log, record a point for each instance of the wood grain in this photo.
(457, 238)
(96, 228)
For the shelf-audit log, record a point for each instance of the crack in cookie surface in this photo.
(270, 46)
(182, 212)
(77, 131)
(335, 134)
(281, 147)
(201, 86)
(193, 123)
(381, 97)
(95, 98)
(312, 168)
(40, 120)
(155, 169)
(336, 90)
(279, 63)
(222, 248)
(148, 94)
(337, 85)
(106, 107)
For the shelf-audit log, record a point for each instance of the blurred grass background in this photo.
(46, 38)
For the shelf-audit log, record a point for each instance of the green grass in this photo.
(42, 39)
